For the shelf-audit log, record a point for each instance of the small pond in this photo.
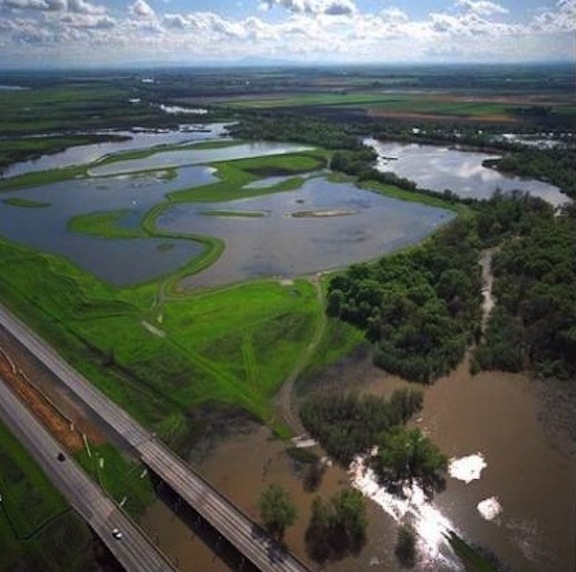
(462, 172)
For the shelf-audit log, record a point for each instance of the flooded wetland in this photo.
(508, 479)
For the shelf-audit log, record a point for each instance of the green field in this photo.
(441, 105)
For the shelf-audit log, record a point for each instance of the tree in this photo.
(405, 549)
(277, 510)
(350, 520)
(407, 455)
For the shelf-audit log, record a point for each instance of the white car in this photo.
(116, 534)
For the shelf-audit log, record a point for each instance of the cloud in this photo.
(561, 20)
(83, 7)
(317, 30)
(75, 6)
(313, 7)
(481, 7)
(141, 9)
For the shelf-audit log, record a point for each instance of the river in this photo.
(492, 417)
(510, 486)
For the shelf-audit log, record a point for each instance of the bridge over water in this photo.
(250, 540)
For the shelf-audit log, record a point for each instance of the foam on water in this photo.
(489, 508)
(468, 468)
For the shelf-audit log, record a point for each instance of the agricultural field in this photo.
(405, 105)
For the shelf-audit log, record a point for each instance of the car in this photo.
(61, 457)
(116, 534)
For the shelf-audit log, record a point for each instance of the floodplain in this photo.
(182, 270)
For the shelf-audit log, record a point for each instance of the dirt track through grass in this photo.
(285, 397)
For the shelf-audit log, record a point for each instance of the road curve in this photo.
(257, 546)
(134, 551)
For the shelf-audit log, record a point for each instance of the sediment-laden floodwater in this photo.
(462, 172)
(508, 488)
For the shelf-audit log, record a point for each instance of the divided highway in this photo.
(134, 550)
(256, 546)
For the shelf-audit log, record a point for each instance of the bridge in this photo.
(251, 541)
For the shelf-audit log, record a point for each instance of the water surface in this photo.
(462, 172)
(139, 139)
(281, 245)
(118, 261)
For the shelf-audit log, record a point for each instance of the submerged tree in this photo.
(405, 548)
(408, 456)
(277, 510)
(338, 527)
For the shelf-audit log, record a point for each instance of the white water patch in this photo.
(489, 508)
(468, 468)
(175, 110)
(431, 526)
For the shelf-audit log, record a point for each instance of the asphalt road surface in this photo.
(134, 550)
(231, 523)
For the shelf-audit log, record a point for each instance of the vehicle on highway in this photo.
(116, 534)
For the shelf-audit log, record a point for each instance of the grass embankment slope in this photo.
(233, 346)
(37, 529)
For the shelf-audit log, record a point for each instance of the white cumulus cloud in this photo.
(481, 7)
(314, 7)
(142, 9)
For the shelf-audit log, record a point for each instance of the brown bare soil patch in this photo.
(68, 431)
(438, 117)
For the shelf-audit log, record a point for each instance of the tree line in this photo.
(533, 324)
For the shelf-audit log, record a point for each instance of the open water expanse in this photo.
(462, 172)
(276, 244)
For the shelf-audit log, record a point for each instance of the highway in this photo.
(258, 547)
(134, 550)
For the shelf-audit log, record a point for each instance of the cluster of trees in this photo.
(534, 322)
(277, 126)
(557, 165)
(348, 425)
(337, 527)
(406, 456)
(420, 308)
(508, 215)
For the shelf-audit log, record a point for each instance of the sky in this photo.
(87, 33)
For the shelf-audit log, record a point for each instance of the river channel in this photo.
(488, 423)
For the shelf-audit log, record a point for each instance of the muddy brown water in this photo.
(495, 414)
